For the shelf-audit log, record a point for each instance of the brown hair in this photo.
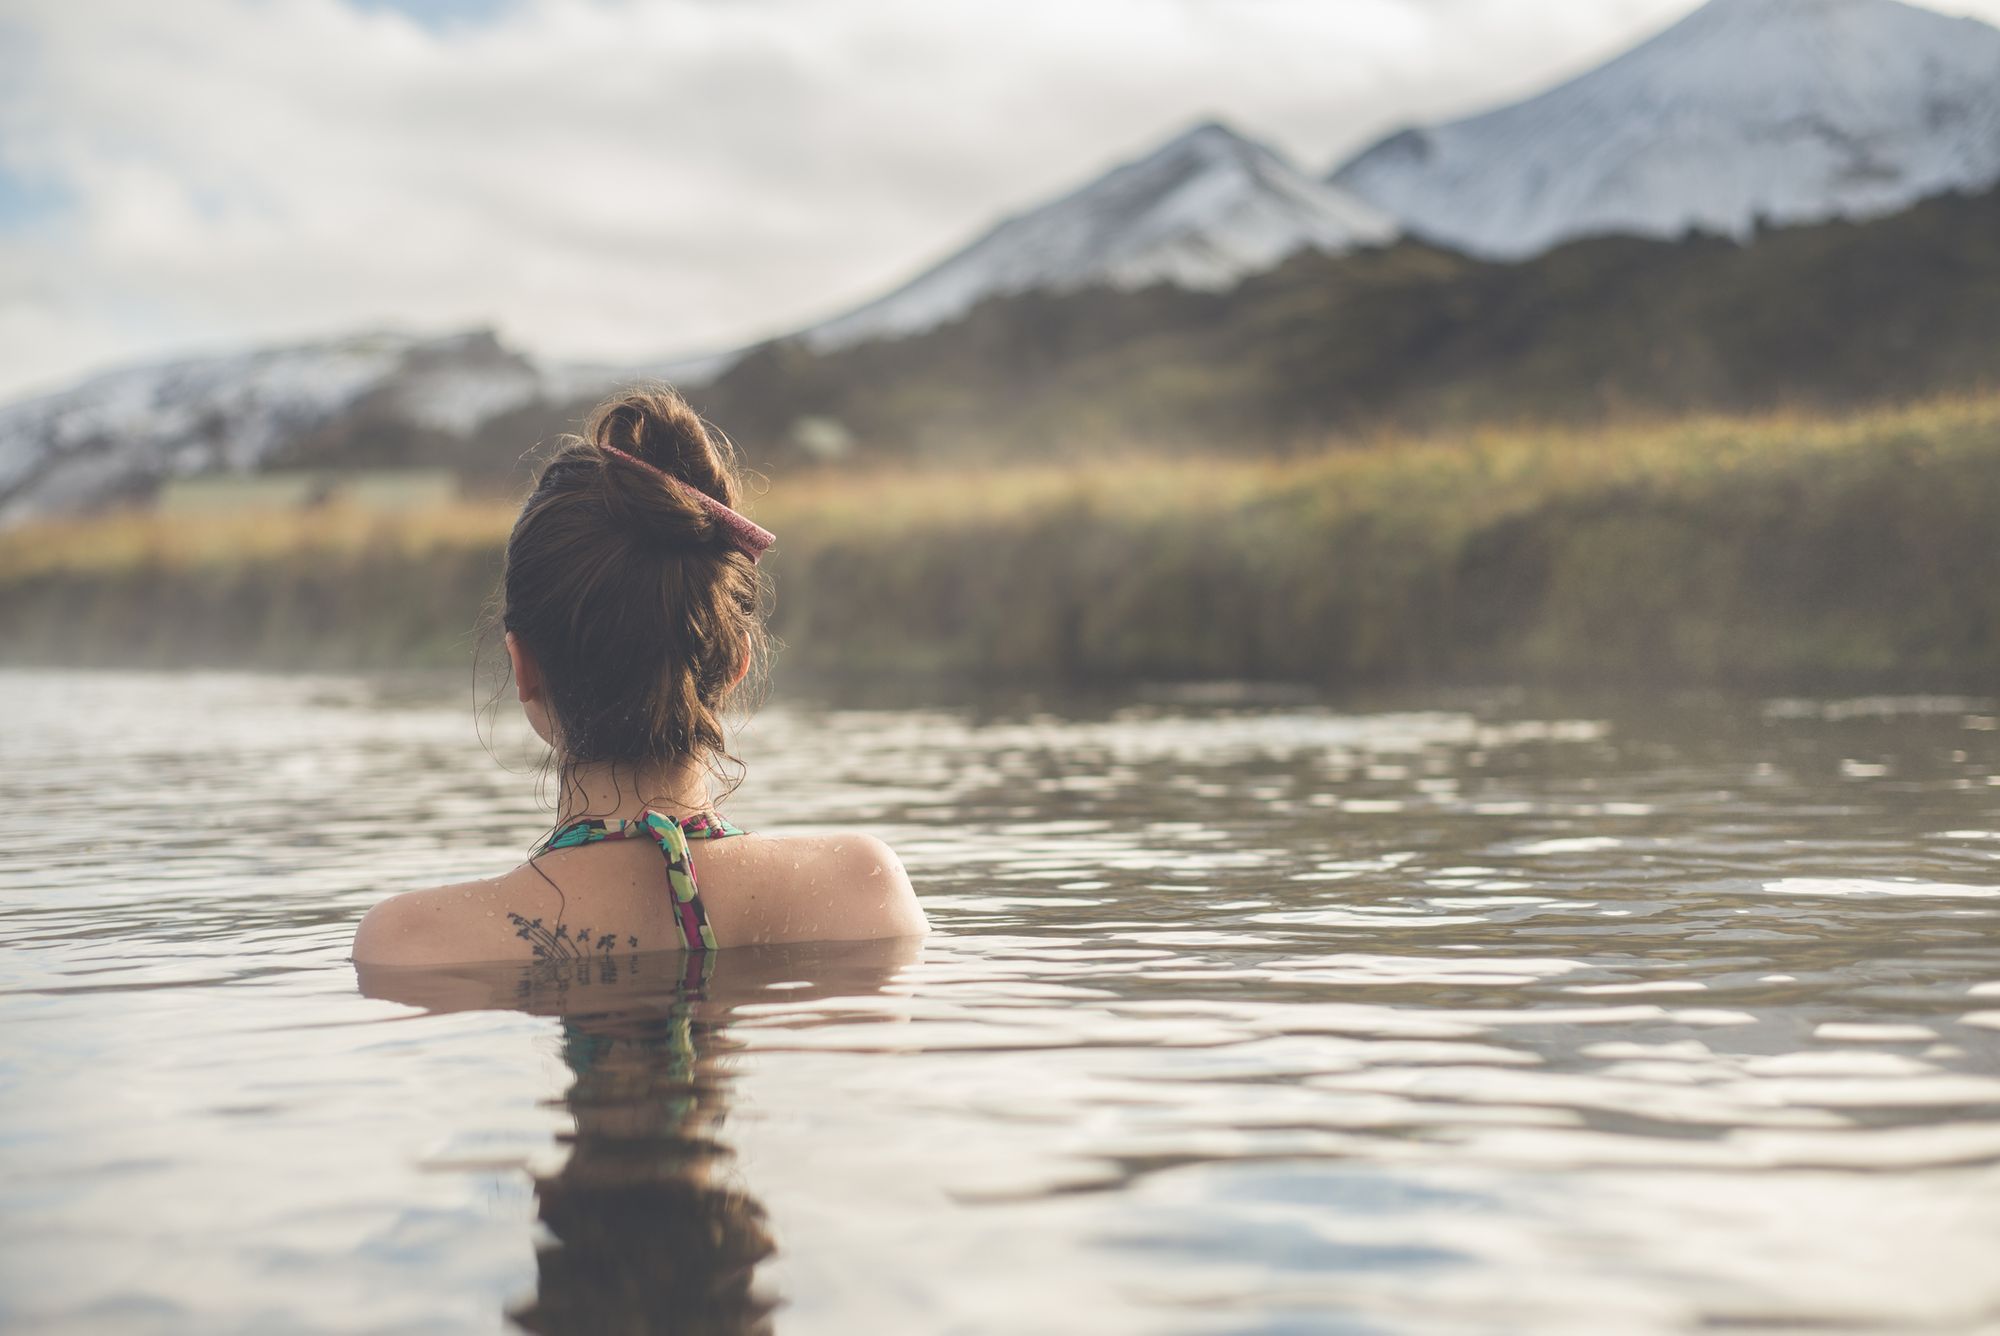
(627, 592)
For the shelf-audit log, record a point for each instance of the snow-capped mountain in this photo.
(1203, 211)
(120, 433)
(1785, 110)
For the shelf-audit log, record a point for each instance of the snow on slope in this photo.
(119, 433)
(1793, 110)
(1203, 211)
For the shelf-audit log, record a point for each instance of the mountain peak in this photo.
(1211, 135)
(1202, 210)
(1781, 11)
(1806, 20)
(1745, 110)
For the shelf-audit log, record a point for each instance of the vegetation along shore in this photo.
(1783, 549)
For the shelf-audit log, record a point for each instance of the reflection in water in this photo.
(648, 1237)
(647, 1231)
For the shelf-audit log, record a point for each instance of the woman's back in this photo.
(617, 895)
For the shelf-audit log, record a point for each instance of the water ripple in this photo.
(1448, 1015)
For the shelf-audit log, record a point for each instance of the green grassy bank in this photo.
(1777, 551)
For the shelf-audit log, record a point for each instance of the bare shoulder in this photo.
(879, 882)
(419, 927)
(844, 887)
(756, 889)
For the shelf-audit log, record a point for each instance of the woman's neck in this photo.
(621, 792)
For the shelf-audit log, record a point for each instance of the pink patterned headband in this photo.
(746, 537)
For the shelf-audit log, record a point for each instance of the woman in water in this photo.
(632, 605)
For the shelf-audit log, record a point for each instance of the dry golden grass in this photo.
(134, 539)
(1478, 473)
(1494, 468)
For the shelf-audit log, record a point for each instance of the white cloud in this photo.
(628, 180)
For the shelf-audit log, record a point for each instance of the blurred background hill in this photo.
(1769, 211)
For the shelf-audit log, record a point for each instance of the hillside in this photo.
(1408, 336)
(1831, 315)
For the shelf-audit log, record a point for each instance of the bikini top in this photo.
(672, 836)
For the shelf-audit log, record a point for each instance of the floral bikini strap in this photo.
(672, 836)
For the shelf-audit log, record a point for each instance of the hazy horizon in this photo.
(620, 181)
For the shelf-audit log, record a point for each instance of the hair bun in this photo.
(658, 429)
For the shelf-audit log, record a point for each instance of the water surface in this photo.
(1471, 1013)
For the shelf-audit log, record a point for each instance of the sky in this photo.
(621, 181)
